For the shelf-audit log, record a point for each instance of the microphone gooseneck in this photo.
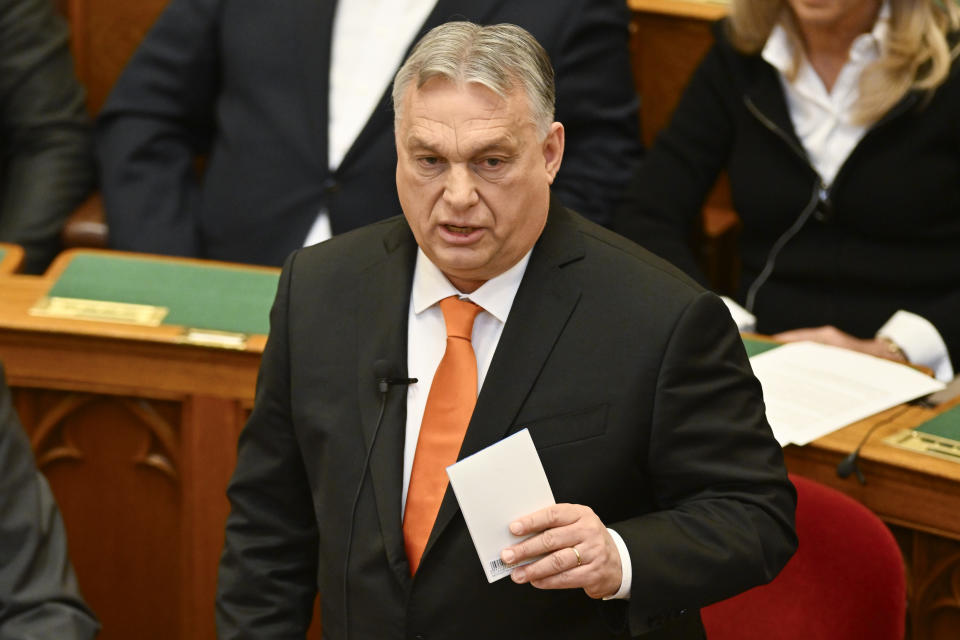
(849, 464)
(383, 376)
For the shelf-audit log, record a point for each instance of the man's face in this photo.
(473, 177)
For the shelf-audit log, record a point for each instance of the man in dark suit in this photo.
(38, 590)
(46, 142)
(265, 90)
(632, 381)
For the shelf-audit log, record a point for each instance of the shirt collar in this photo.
(778, 51)
(496, 295)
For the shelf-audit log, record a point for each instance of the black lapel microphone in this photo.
(383, 371)
(849, 464)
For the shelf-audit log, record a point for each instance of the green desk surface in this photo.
(755, 347)
(217, 297)
(945, 425)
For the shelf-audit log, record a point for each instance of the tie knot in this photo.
(459, 315)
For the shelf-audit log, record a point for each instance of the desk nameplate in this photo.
(100, 311)
(932, 445)
(217, 339)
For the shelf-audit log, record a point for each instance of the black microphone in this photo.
(383, 374)
(382, 370)
(849, 464)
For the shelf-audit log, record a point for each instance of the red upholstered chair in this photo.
(846, 581)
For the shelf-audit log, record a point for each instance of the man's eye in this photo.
(492, 163)
(428, 160)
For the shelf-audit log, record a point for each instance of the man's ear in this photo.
(553, 150)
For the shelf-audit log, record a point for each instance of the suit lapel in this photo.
(382, 117)
(382, 333)
(541, 309)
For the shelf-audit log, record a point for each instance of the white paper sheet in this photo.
(812, 389)
(494, 487)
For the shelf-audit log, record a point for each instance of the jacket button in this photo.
(330, 186)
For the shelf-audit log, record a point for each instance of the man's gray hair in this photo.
(501, 57)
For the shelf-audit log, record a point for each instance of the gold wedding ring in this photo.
(579, 559)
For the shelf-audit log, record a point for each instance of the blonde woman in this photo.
(838, 122)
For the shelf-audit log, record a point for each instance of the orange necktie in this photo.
(450, 403)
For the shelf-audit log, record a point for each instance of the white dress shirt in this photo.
(426, 342)
(370, 38)
(824, 123)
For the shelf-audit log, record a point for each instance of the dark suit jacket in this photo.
(46, 142)
(246, 83)
(637, 392)
(39, 598)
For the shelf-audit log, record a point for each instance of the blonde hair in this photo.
(917, 55)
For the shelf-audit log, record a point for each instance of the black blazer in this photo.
(46, 141)
(637, 392)
(245, 82)
(39, 597)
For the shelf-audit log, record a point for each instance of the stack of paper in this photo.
(812, 389)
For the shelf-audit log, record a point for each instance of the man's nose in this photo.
(460, 190)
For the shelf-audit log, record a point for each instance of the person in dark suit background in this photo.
(46, 143)
(631, 378)
(39, 598)
(290, 106)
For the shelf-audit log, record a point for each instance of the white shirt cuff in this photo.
(746, 321)
(920, 341)
(627, 569)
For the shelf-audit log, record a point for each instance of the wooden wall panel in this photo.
(104, 34)
(114, 466)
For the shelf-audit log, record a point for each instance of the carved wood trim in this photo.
(49, 427)
(936, 588)
(163, 434)
(52, 442)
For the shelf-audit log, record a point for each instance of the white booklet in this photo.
(494, 487)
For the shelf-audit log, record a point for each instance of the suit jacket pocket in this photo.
(569, 427)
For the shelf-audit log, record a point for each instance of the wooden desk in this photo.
(137, 433)
(137, 436)
(917, 495)
(11, 257)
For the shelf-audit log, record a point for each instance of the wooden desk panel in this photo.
(137, 435)
(11, 258)
(103, 36)
(668, 40)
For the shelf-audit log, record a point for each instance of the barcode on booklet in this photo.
(498, 567)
